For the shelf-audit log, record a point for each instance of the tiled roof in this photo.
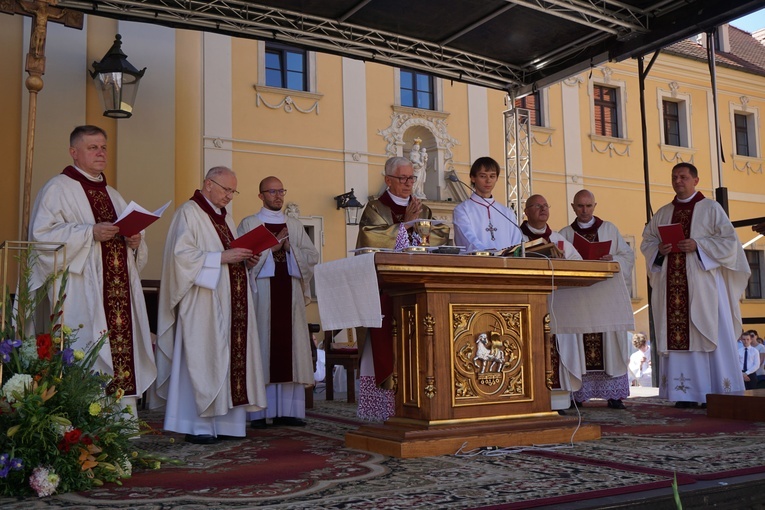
(746, 54)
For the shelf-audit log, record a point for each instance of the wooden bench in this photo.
(740, 405)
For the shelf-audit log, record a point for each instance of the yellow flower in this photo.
(119, 394)
(78, 355)
(94, 409)
(66, 329)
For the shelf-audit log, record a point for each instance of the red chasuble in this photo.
(116, 285)
(280, 362)
(678, 311)
(237, 275)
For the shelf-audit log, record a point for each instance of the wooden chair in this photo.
(348, 359)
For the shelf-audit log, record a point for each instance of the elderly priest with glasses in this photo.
(379, 226)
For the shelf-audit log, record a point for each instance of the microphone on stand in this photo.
(453, 177)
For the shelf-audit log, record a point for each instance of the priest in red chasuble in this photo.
(696, 286)
(208, 355)
(280, 283)
(78, 208)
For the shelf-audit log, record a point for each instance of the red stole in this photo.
(590, 233)
(116, 285)
(533, 236)
(280, 361)
(237, 275)
(678, 311)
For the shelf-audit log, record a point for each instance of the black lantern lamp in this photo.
(117, 81)
(352, 207)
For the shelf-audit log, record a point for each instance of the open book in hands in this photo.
(591, 250)
(257, 240)
(135, 218)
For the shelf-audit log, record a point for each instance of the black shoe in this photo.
(616, 403)
(684, 404)
(575, 404)
(259, 424)
(223, 437)
(289, 421)
(561, 412)
(200, 439)
(703, 405)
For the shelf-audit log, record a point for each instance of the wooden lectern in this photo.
(472, 362)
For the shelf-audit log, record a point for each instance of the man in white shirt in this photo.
(749, 361)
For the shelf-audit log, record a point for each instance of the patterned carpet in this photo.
(308, 468)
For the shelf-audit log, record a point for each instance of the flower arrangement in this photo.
(62, 426)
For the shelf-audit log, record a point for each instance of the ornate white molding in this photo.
(573, 81)
(435, 122)
(744, 102)
(610, 148)
(287, 102)
(292, 210)
(675, 156)
(607, 72)
(750, 167)
(674, 87)
(537, 134)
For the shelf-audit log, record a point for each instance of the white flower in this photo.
(44, 481)
(18, 383)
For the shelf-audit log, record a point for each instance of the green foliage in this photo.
(60, 427)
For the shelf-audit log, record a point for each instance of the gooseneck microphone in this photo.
(453, 177)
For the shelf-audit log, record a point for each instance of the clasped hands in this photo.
(413, 210)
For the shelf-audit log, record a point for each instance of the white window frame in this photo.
(752, 115)
(310, 64)
(761, 256)
(683, 112)
(621, 106)
(438, 91)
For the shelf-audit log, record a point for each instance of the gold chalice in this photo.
(423, 227)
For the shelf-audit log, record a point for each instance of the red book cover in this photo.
(135, 218)
(589, 250)
(257, 240)
(671, 234)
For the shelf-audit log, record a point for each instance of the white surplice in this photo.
(62, 214)
(717, 277)
(284, 399)
(483, 224)
(616, 350)
(194, 337)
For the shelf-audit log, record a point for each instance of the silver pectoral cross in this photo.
(490, 229)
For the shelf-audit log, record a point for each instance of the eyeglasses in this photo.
(228, 191)
(538, 206)
(274, 192)
(404, 179)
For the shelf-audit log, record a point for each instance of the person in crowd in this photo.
(757, 344)
(480, 223)
(281, 290)
(607, 353)
(696, 284)
(640, 361)
(378, 228)
(77, 208)
(749, 361)
(210, 371)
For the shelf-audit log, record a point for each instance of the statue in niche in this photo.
(419, 158)
(292, 210)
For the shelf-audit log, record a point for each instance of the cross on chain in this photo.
(491, 229)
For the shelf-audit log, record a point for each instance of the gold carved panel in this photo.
(410, 355)
(491, 354)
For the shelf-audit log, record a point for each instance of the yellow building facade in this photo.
(205, 101)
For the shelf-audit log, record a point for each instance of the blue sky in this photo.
(750, 23)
